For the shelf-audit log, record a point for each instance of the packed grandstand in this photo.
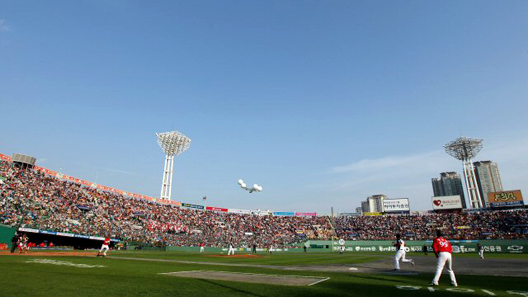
(31, 198)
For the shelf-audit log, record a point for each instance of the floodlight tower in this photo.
(464, 149)
(172, 143)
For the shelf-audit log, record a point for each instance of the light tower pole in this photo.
(172, 143)
(464, 149)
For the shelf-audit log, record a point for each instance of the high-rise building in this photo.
(449, 184)
(365, 206)
(373, 203)
(488, 179)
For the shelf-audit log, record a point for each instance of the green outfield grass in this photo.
(121, 277)
(273, 259)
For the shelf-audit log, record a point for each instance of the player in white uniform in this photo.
(104, 247)
(231, 250)
(400, 252)
(480, 250)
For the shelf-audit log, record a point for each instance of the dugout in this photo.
(78, 242)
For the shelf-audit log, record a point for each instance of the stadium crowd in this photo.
(477, 225)
(31, 199)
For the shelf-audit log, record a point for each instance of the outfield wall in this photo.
(459, 246)
(6, 233)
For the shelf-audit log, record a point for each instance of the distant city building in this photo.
(449, 184)
(373, 203)
(365, 206)
(359, 209)
(488, 179)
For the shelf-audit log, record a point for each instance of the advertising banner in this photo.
(372, 214)
(446, 202)
(261, 212)
(306, 214)
(195, 206)
(284, 213)
(5, 157)
(505, 198)
(175, 203)
(350, 214)
(30, 230)
(239, 211)
(396, 205)
(459, 246)
(212, 208)
(51, 172)
(86, 183)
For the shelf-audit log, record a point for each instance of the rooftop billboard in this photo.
(447, 202)
(505, 198)
(396, 205)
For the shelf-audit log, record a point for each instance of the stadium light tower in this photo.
(172, 143)
(464, 149)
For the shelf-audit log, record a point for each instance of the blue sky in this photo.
(323, 103)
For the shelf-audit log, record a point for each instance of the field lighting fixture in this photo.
(172, 143)
(254, 188)
(465, 149)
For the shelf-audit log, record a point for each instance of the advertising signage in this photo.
(284, 213)
(446, 202)
(372, 214)
(212, 208)
(195, 206)
(396, 205)
(505, 198)
(239, 211)
(306, 214)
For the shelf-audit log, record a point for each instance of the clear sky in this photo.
(323, 103)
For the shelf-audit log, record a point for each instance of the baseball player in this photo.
(104, 247)
(480, 250)
(231, 250)
(400, 252)
(23, 244)
(443, 250)
(202, 247)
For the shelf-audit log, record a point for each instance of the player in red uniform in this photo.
(443, 250)
(104, 247)
(23, 244)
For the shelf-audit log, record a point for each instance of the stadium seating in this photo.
(29, 198)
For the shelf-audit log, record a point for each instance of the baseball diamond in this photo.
(236, 148)
(230, 255)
